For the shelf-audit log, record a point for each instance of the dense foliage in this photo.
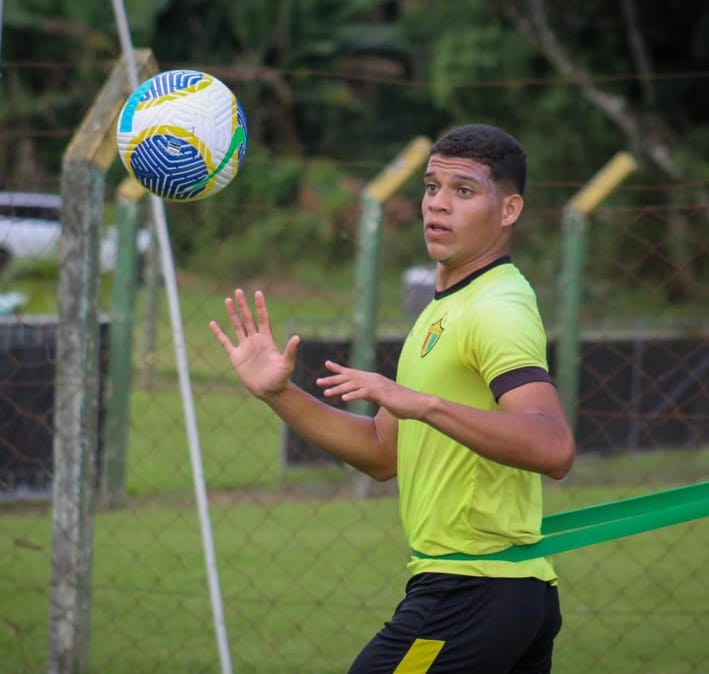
(354, 81)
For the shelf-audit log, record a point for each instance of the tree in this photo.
(652, 130)
(300, 65)
(56, 54)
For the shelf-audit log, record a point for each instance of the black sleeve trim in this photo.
(515, 378)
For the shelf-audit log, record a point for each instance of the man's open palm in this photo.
(262, 368)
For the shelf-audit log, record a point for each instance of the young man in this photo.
(468, 427)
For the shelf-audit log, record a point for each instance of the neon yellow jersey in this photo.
(482, 331)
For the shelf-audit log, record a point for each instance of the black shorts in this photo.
(449, 623)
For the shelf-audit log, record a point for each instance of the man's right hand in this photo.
(258, 363)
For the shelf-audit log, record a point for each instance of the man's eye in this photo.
(430, 187)
(465, 191)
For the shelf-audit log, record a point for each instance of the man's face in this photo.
(466, 219)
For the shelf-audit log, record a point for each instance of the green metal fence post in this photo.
(151, 292)
(364, 339)
(573, 246)
(364, 333)
(125, 279)
(364, 336)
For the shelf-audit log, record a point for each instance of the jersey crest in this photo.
(433, 336)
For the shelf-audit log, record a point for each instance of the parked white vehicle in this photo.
(30, 227)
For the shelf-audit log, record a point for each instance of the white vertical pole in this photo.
(168, 271)
(1, 25)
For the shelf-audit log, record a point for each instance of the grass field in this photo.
(307, 572)
(306, 581)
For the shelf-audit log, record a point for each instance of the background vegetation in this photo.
(333, 90)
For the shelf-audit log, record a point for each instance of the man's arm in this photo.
(366, 443)
(529, 431)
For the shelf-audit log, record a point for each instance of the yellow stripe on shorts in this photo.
(420, 656)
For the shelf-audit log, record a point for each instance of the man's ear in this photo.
(512, 206)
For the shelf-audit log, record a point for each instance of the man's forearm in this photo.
(350, 437)
(532, 441)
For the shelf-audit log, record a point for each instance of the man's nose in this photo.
(440, 201)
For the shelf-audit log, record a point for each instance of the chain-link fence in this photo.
(309, 567)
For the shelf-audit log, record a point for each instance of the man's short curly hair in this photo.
(490, 146)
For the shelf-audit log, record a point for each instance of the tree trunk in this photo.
(646, 134)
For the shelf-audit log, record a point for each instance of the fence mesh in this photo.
(309, 570)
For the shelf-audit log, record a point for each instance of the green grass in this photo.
(306, 582)
(239, 442)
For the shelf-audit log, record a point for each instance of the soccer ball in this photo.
(182, 134)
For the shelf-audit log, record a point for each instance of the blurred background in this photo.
(311, 563)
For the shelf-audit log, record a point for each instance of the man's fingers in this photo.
(262, 312)
(219, 334)
(346, 391)
(337, 385)
(335, 367)
(336, 391)
(247, 319)
(234, 319)
(331, 380)
(291, 350)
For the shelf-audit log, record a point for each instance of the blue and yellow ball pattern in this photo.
(183, 135)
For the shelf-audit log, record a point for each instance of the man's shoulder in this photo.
(507, 279)
(507, 291)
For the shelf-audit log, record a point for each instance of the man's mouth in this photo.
(436, 227)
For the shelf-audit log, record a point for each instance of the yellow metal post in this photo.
(573, 247)
(364, 337)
